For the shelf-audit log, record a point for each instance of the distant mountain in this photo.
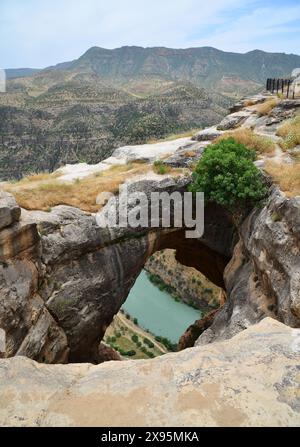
(20, 72)
(207, 67)
(83, 109)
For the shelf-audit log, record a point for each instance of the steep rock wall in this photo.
(263, 276)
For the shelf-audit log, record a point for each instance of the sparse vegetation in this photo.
(159, 167)
(129, 343)
(266, 107)
(226, 174)
(47, 192)
(290, 133)
(262, 145)
(287, 176)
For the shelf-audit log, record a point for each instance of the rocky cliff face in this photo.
(250, 380)
(263, 276)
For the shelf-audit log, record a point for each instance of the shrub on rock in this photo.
(227, 176)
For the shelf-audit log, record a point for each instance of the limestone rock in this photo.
(233, 121)
(250, 380)
(207, 134)
(186, 155)
(263, 276)
(9, 210)
(240, 105)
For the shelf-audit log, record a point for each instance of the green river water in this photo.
(157, 311)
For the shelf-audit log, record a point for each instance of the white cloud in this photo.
(270, 29)
(35, 33)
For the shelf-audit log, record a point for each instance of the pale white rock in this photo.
(249, 380)
(123, 155)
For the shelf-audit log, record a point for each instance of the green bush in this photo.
(148, 342)
(135, 338)
(226, 174)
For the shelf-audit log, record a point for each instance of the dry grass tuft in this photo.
(266, 107)
(262, 145)
(249, 102)
(286, 176)
(43, 195)
(42, 176)
(290, 133)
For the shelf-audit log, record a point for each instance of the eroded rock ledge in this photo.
(250, 380)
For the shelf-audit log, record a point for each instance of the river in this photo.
(157, 311)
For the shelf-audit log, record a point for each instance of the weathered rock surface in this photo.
(263, 276)
(250, 380)
(256, 99)
(207, 134)
(62, 290)
(186, 155)
(30, 328)
(9, 210)
(233, 120)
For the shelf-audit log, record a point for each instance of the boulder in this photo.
(9, 210)
(186, 155)
(207, 134)
(233, 120)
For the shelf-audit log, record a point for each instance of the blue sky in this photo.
(35, 33)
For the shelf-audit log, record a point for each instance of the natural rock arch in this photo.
(63, 278)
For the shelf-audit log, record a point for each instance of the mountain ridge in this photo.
(83, 109)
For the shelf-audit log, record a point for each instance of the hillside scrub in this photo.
(290, 133)
(260, 144)
(226, 174)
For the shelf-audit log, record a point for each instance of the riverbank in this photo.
(184, 283)
(130, 340)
